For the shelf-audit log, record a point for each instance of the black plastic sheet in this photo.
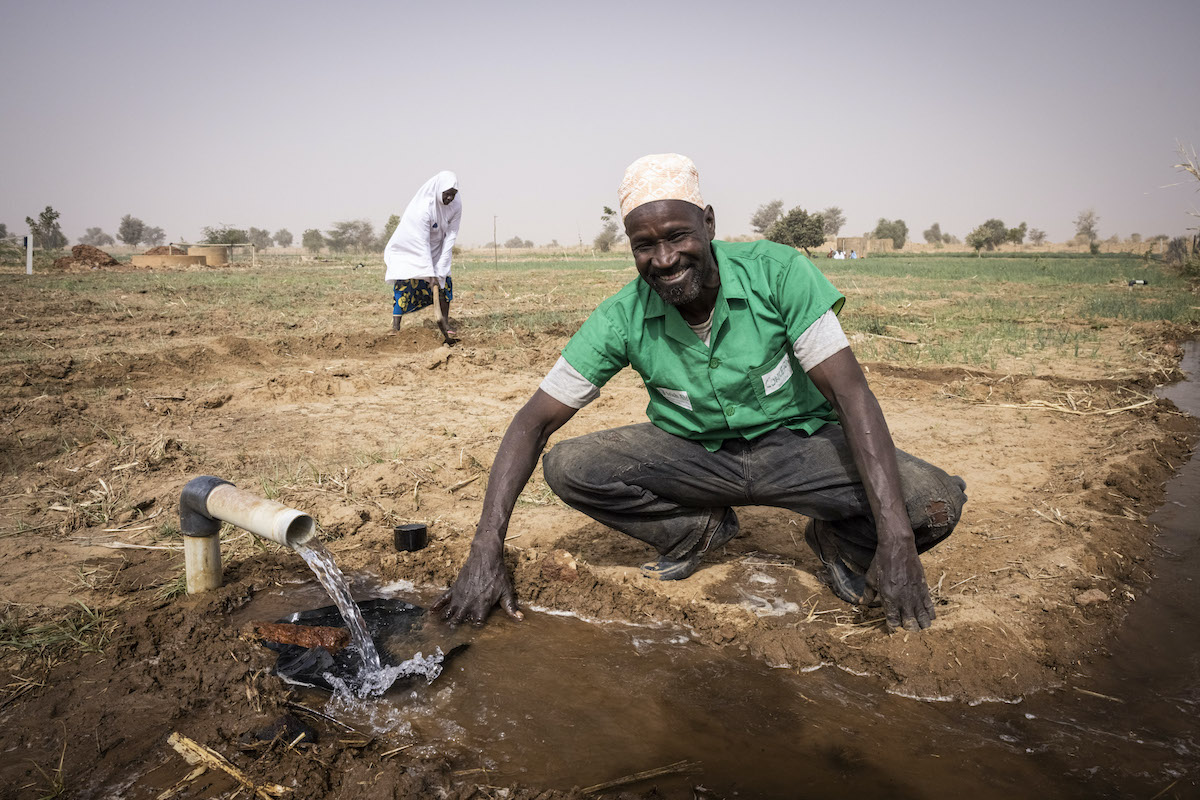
(390, 623)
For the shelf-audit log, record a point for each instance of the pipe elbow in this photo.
(194, 519)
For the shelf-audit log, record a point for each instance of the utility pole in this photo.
(495, 244)
(29, 254)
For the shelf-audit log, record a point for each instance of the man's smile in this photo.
(675, 275)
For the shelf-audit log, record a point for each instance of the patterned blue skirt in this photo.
(415, 294)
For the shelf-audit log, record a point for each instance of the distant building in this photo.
(863, 245)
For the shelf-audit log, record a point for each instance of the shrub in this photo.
(610, 233)
(896, 230)
(1176, 254)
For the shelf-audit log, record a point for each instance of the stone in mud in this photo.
(332, 639)
(560, 565)
(1091, 597)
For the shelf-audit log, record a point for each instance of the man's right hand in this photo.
(482, 583)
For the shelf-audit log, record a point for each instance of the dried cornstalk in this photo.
(678, 766)
(1042, 405)
(195, 754)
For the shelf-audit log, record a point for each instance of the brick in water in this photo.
(332, 639)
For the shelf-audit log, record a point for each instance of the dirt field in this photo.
(118, 386)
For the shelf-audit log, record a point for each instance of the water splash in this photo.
(373, 678)
(373, 683)
(320, 561)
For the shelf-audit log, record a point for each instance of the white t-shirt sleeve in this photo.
(567, 386)
(819, 341)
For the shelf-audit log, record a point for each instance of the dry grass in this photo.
(80, 630)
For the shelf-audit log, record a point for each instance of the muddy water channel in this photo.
(558, 702)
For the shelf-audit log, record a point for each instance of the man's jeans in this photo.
(666, 490)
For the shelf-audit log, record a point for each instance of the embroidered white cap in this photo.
(665, 176)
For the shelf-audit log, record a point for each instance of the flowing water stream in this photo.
(320, 561)
(556, 701)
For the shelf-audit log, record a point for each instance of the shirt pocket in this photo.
(774, 384)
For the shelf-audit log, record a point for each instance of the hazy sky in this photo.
(300, 114)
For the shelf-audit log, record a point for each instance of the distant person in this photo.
(829, 254)
(418, 254)
(853, 254)
(839, 255)
(755, 398)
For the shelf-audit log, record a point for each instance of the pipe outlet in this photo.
(260, 516)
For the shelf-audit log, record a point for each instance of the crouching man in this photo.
(755, 398)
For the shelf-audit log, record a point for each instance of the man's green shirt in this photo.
(747, 381)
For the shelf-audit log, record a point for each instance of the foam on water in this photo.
(768, 607)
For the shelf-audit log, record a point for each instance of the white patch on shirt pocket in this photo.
(676, 396)
(775, 379)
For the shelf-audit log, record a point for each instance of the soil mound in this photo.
(84, 256)
(165, 250)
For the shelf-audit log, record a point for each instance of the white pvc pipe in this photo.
(262, 517)
(202, 563)
(29, 254)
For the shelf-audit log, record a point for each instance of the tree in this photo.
(46, 230)
(153, 236)
(283, 237)
(261, 239)
(933, 234)
(1037, 236)
(95, 237)
(337, 240)
(1135, 238)
(834, 220)
(896, 230)
(130, 230)
(385, 237)
(517, 241)
(988, 235)
(610, 232)
(355, 234)
(1085, 225)
(765, 216)
(224, 235)
(977, 239)
(800, 229)
(1017, 235)
(3, 231)
(312, 240)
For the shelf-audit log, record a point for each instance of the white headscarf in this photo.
(422, 243)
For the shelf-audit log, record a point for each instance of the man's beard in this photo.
(678, 294)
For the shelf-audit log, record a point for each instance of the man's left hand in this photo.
(897, 579)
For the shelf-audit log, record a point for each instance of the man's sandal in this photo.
(665, 569)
